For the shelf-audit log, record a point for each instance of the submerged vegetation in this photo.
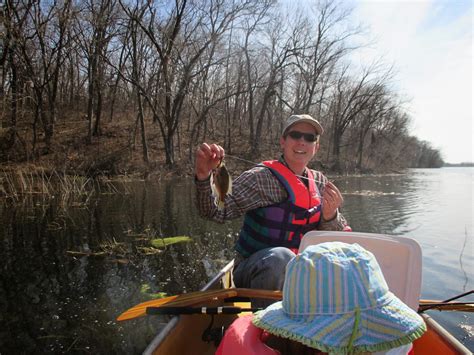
(122, 252)
(163, 242)
(146, 291)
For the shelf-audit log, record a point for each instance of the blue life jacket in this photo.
(285, 223)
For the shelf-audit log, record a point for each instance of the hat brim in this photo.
(382, 328)
(319, 129)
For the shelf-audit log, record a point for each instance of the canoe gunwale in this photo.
(174, 321)
(161, 336)
(443, 333)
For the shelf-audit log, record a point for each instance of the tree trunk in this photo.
(14, 101)
(360, 147)
(168, 140)
(142, 126)
(90, 109)
(98, 114)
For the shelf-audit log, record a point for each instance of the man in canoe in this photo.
(280, 199)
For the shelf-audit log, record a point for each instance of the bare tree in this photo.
(192, 70)
(379, 106)
(349, 98)
(180, 40)
(253, 64)
(138, 52)
(325, 44)
(281, 50)
(40, 42)
(94, 34)
(9, 64)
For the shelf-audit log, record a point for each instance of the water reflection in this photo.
(435, 207)
(68, 272)
(378, 204)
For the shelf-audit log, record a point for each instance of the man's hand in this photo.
(208, 157)
(332, 200)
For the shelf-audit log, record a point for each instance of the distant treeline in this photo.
(466, 164)
(224, 70)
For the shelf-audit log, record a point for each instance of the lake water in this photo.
(69, 271)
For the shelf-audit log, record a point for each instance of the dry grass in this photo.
(19, 184)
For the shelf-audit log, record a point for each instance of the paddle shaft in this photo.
(199, 310)
(458, 306)
(448, 304)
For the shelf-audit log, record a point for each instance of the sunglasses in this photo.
(308, 137)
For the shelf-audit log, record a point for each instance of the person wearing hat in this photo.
(280, 199)
(336, 301)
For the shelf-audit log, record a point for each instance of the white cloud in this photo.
(430, 43)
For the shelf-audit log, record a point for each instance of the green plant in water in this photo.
(163, 242)
(145, 290)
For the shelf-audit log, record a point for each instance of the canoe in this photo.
(184, 334)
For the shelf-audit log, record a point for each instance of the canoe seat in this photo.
(398, 257)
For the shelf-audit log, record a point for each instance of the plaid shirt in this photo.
(255, 188)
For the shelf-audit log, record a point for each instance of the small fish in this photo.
(221, 185)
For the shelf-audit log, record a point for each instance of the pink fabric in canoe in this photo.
(242, 337)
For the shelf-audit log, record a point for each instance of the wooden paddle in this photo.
(448, 305)
(445, 306)
(193, 298)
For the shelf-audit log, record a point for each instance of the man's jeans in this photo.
(264, 269)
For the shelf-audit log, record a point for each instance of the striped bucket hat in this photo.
(335, 299)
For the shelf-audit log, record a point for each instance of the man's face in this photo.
(299, 150)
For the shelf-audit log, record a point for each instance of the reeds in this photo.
(19, 184)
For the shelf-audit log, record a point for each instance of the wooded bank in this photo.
(118, 86)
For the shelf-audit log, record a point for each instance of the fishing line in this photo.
(242, 159)
(323, 181)
(460, 259)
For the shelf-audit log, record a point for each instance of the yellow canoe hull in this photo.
(183, 334)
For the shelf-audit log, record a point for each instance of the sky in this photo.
(430, 44)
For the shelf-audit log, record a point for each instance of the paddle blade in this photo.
(140, 309)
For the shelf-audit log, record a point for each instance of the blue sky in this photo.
(430, 44)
